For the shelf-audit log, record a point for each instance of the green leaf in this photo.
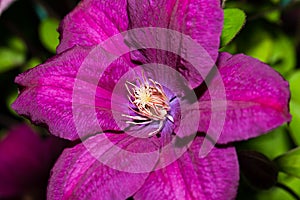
(273, 16)
(282, 61)
(295, 123)
(277, 193)
(294, 81)
(12, 55)
(268, 46)
(290, 162)
(265, 143)
(48, 34)
(10, 58)
(33, 62)
(261, 45)
(10, 99)
(17, 44)
(234, 19)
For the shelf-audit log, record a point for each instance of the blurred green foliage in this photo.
(265, 144)
(28, 36)
(294, 81)
(280, 193)
(289, 162)
(12, 55)
(234, 20)
(48, 34)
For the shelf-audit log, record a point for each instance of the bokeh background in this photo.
(270, 164)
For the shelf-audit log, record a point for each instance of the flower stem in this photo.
(288, 190)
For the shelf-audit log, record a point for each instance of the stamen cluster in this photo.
(151, 102)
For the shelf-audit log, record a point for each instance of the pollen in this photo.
(150, 103)
(144, 95)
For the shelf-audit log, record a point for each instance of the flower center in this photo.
(150, 101)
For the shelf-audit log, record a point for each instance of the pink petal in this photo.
(26, 160)
(183, 35)
(94, 170)
(202, 20)
(92, 22)
(71, 99)
(256, 99)
(4, 4)
(214, 177)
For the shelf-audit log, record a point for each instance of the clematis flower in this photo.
(142, 125)
(4, 4)
(26, 160)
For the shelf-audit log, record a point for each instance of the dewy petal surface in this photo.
(214, 177)
(78, 174)
(257, 99)
(92, 22)
(47, 94)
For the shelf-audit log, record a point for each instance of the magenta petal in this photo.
(4, 4)
(68, 98)
(79, 174)
(91, 22)
(46, 93)
(183, 35)
(26, 160)
(257, 99)
(202, 20)
(214, 177)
